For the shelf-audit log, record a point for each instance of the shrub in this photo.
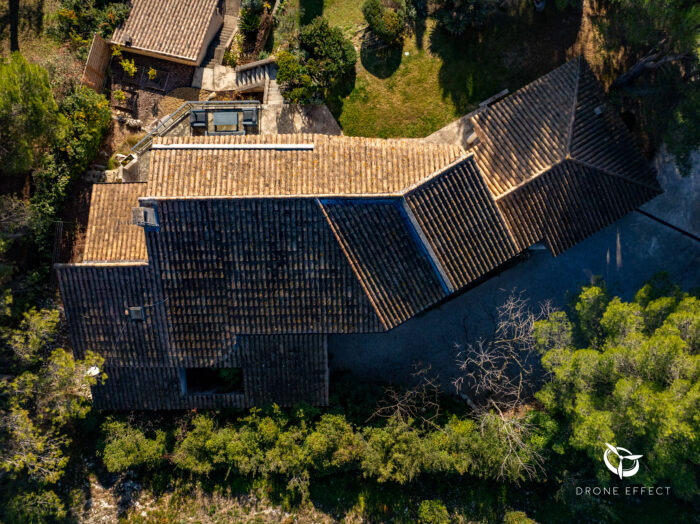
(248, 21)
(127, 447)
(79, 19)
(152, 73)
(324, 59)
(119, 95)
(517, 517)
(386, 18)
(128, 66)
(35, 507)
(456, 16)
(330, 56)
(28, 112)
(433, 512)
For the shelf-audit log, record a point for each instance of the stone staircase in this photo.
(256, 76)
(218, 46)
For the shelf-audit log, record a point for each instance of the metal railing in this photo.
(174, 118)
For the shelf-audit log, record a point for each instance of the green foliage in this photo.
(152, 73)
(128, 66)
(433, 512)
(77, 20)
(325, 58)
(29, 115)
(119, 95)
(127, 447)
(36, 332)
(386, 19)
(517, 517)
(86, 115)
(633, 380)
(36, 507)
(248, 21)
(456, 16)
(43, 400)
(682, 136)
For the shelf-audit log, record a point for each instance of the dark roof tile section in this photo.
(111, 236)
(285, 369)
(526, 133)
(253, 266)
(337, 165)
(96, 298)
(176, 28)
(463, 225)
(569, 203)
(389, 259)
(602, 140)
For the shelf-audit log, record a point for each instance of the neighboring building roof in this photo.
(559, 161)
(110, 235)
(176, 28)
(336, 165)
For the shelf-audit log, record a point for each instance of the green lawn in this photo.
(432, 79)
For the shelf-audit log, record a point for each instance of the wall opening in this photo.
(210, 381)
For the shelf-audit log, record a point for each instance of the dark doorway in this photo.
(208, 381)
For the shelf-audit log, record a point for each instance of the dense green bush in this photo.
(31, 122)
(324, 59)
(292, 448)
(78, 20)
(456, 16)
(433, 512)
(386, 18)
(86, 116)
(632, 379)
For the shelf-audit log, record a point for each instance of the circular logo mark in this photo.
(622, 455)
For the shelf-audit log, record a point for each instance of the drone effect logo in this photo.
(624, 456)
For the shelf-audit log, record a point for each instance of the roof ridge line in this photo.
(615, 175)
(467, 154)
(573, 109)
(353, 266)
(525, 182)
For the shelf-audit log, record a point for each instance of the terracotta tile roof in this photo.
(561, 115)
(462, 223)
(170, 27)
(388, 258)
(336, 165)
(111, 236)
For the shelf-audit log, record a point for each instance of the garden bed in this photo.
(151, 88)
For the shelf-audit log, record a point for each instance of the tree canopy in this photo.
(628, 374)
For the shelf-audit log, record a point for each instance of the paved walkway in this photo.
(626, 254)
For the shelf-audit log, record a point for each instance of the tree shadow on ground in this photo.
(337, 92)
(380, 60)
(310, 9)
(513, 49)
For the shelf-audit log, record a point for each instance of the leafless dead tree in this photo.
(498, 372)
(420, 402)
(519, 459)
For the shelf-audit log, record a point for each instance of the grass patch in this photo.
(432, 78)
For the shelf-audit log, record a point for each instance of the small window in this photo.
(208, 381)
(135, 313)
